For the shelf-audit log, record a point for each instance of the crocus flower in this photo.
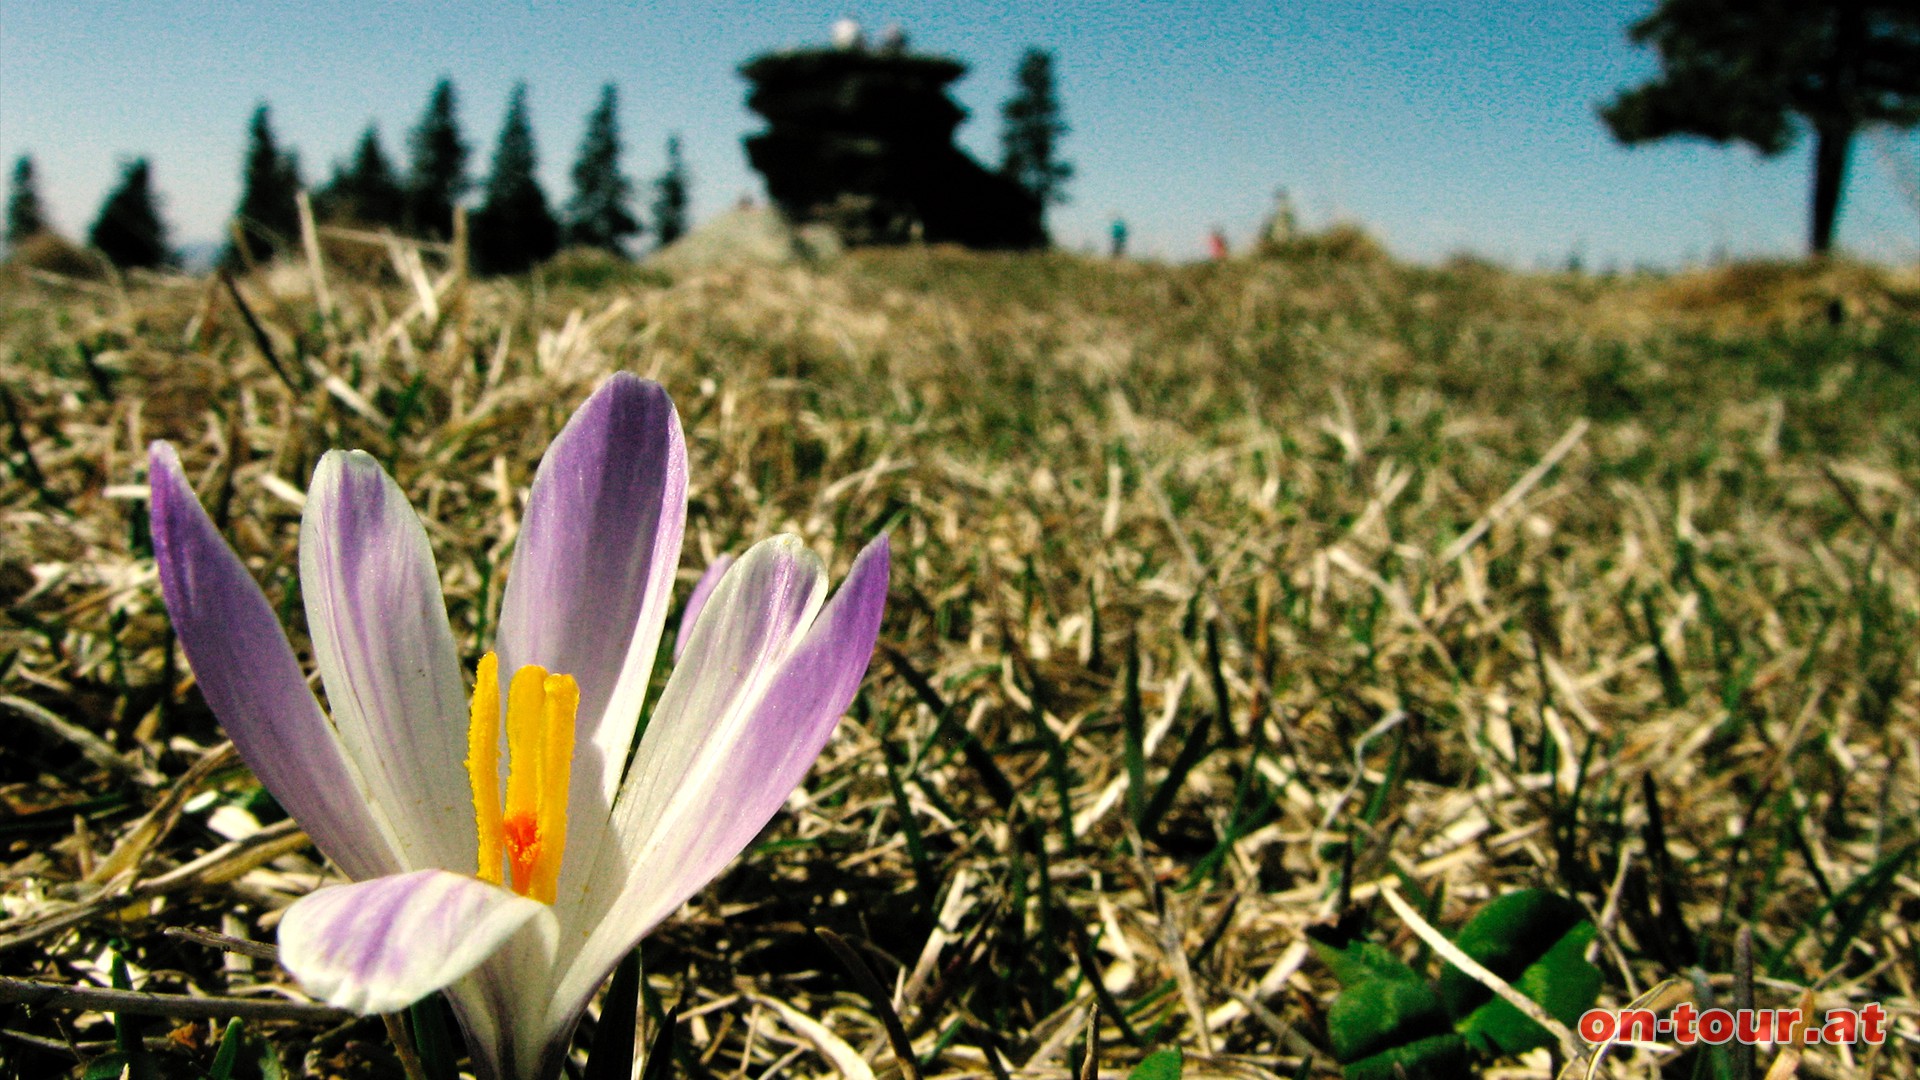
(514, 873)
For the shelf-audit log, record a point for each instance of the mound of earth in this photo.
(748, 235)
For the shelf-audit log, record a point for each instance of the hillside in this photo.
(1226, 598)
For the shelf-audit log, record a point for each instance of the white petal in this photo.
(253, 683)
(696, 600)
(381, 945)
(380, 635)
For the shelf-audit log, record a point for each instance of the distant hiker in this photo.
(1118, 232)
(1281, 226)
(893, 39)
(847, 35)
(1217, 244)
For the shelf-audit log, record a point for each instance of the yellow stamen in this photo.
(483, 764)
(526, 701)
(530, 831)
(556, 768)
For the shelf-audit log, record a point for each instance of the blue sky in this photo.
(1443, 126)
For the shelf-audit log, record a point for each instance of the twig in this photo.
(876, 994)
(1860, 512)
(222, 864)
(91, 746)
(142, 1003)
(316, 266)
(403, 1046)
(260, 338)
(1570, 1044)
(1517, 492)
(259, 950)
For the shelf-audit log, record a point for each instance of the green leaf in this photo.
(1372, 1017)
(1360, 961)
(1536, 941)
(1438, 1057)
(106, 1067)
(129, 1057)
(1160, 1065)
(427, 1020)
(1506, 936)
(268, 1059)
(228, 1053)
(612, 1053)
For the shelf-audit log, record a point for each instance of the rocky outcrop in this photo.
(862, 141)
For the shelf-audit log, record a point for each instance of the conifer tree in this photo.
(364, 192)
(437, 166)
(598, 215)
(1031, 131)
(268, 215)
(670, 196)
(1758, 71)
(25, 216)
(129, 231)
(514, 228)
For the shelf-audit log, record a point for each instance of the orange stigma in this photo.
(526, 835)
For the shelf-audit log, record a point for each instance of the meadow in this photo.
(1253, 625)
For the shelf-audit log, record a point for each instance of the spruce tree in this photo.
(514, 229)
(364, 192)
(598, 215)
(1759, 71)
(25, 216)
(129, 231)
(437, 166)
(268, 214)
(1031, 130)
(670, 196)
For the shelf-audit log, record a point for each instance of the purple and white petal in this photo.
(718, 813)
(736, 730)
(755, 617)
(502, 1009)
(250, 678)
(378, 946)
(756, 614)
(697, 600)
(386, 654)
(593, 568)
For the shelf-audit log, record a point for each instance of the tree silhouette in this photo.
(1746, 70)
(129, 231)
(670, 196)
(365, 192)
(25, 216)
(437, 166)
(598, 215)
(1031, 130)
(268, 215)
(514, 229)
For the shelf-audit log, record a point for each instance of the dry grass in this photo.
(1453, 581)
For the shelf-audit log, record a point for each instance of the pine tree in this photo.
(598, 215)
(1746, 70)
(25, 216)
(670, 196)
(437, 168)
(129, 231)
(268, 214)
(1031, 131)
(364, 192)
(514, 229)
